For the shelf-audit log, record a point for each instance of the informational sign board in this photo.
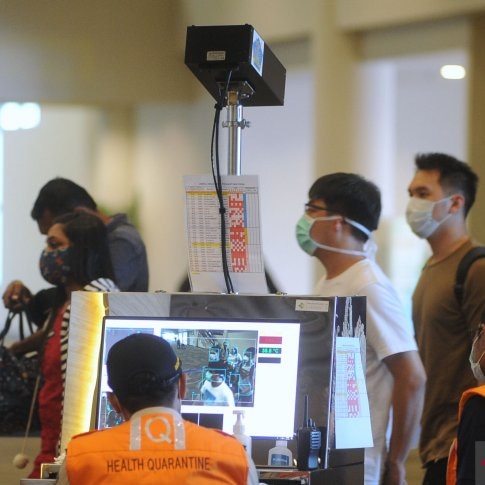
(243, 234)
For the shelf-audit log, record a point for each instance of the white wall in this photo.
(279, 148)
(171, 141)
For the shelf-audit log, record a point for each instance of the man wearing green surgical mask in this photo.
(336, 228)
(442, 192)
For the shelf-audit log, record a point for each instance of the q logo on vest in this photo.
(158, 437)
(152, 426)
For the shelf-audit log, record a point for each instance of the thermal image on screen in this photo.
(250, 365)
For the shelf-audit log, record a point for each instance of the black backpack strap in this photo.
(26, 322)
(6, 328)
(8, 323)
(465, 263)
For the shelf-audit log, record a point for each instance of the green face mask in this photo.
(303, 227)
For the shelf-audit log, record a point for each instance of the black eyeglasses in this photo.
(314, 207)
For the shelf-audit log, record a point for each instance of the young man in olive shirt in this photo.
(442, 192)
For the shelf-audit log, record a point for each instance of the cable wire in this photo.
(216, 175)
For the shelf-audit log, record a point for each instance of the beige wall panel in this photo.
(273, 19)
(419, 38)
(108, 51)
(370, 14)
(476, 148)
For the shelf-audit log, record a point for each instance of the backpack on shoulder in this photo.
(462, 271)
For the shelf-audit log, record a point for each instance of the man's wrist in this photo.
(394, 461)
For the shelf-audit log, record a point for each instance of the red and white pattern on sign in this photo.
(237, 233)
(353, 409)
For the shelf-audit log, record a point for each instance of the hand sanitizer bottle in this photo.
(280, 455)
(239, 431)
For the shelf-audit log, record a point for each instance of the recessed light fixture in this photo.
(452, 71)
(19, 116)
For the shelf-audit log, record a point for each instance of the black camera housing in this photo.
(212, 52)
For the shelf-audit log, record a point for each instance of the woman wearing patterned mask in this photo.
(76, 257)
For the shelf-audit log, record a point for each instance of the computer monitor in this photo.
(230, 364)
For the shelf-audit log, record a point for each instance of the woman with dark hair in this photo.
(76, 257)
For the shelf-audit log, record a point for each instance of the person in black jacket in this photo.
(127, 250)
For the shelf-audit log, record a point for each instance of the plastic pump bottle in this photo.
(239, 431)
(280, 455)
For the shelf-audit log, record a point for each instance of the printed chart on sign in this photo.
(352, 414)
(243, 234)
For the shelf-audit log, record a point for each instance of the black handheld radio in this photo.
(309, 441)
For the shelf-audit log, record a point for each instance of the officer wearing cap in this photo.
(154, 445)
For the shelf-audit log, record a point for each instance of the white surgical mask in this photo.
(419, 215)
(476, 368)
(309, 245)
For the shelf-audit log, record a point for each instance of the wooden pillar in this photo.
(476, 122)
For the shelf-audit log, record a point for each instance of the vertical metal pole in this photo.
(234, 124)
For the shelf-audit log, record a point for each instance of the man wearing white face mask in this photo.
(442, 192)
(336, 228)
(471, 417)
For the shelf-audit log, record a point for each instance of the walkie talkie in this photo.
(309, 440)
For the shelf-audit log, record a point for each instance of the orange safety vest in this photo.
(453, 455)
(156, 446)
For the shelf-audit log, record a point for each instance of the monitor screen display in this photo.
(230, 364)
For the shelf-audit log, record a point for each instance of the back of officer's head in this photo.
(143, 371)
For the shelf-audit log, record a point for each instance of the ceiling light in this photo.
(31, 115)
(19, 116)
(452, 71)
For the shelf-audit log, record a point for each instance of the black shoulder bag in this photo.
(18, 376)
